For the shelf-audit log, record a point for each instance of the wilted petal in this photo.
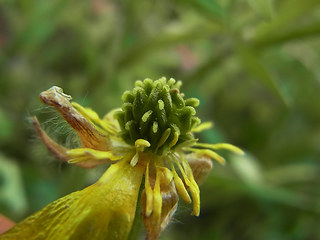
(105, 210)
(104, 126)
(89, 135)
(153, 226)
(57, 150)
(63, 153)
(200, 166)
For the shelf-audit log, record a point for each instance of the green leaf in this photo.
(214, 62)
(253, 65)
(248, 168)
(209, 8)
(11, 186)
(292, 173)
(6, 126)
(288, 12)
(262, 7)
(164, 40)
(292, 34)
(40, 26)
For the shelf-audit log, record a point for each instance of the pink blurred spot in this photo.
(5, 224)
(188, 58)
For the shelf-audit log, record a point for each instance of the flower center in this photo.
(157, 112)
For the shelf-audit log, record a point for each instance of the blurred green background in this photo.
(254, 65)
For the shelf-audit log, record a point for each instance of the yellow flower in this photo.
(151, 136)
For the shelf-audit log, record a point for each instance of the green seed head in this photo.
(157, 112)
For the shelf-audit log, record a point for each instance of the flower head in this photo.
(152, 135)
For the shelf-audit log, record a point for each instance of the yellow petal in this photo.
(105, 210)
(87, 157)
(96, 154)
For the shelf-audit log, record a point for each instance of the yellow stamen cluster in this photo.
(157, 112)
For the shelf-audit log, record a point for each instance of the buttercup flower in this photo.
(152, 138)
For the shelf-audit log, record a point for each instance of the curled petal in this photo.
(104, 210)
(89, 135)
(57, 150)
(85, 159)
(104, 126)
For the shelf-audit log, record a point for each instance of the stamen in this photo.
(149, 193)
(209, 153)
(134, 160)
(157, 198)
(166, 176)
(160, 104)
(194, 189)
(163, 138)
(141, 144)
(155, 127)
(217, 146)
(146, 116)
(180, 186)
(174, 140)
(151, 109)
(202, 127)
